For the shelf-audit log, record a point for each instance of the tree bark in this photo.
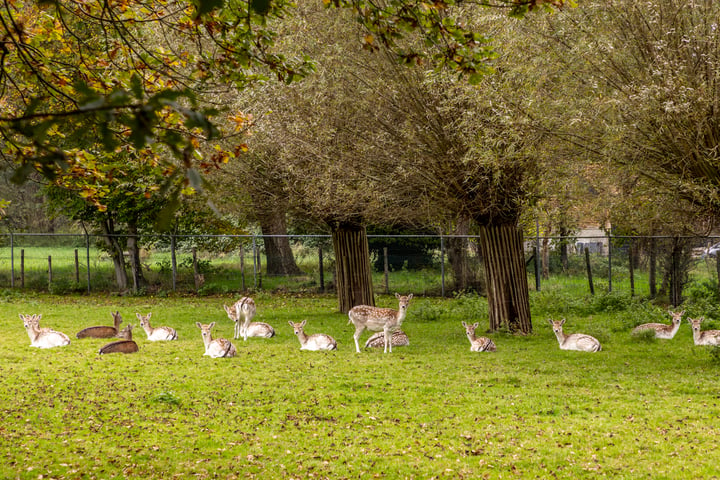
(116, 253)
(353, 276)
(280, 259)
(457, 251)
(506, 278)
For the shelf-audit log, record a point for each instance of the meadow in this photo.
(640, 408)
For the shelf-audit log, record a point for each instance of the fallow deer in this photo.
(478, 344)
(316, 341)
(126, 345)
(102, 331)
(574, 341)
(707, 337)
(662, 330)
(218, 347)
(376, 319)
(247, 328)
(156, 334)
(43, 337)
(398, 339)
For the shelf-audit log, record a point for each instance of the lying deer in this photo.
(478, 344)
(316, 341)
(218, 347)
(397, 339)
(662, 330)
(708, 337)
(102, 331)
(247, 328)
(126, 345)
(574, 341)
(376, 319)
(156, 334)
(43, 337)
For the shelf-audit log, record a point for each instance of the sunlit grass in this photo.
(433, 409)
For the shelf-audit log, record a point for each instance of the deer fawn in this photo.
(126, 345)
(215, 348)
(574, 341)
(102, 331)
(156, 334)
(398, 339)
(248, 328)
(662, 330)
(478, 344)
(708, 337)
(316, 341)
(43, 337)
(376, 319)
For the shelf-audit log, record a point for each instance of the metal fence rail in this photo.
(208, 264)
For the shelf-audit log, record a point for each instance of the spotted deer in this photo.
(158, 333)
(478, 344)
(662, 330)
(707, 337)
(376, 319)
(43, 337)
(126, 345)
(398, 339)
(102, 331)
(574, 341)
(252, 329)
(316, 341)
(218, 347)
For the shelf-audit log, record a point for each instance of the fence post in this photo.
(537, 268)
(77, 267)
(49, 270)
(442, 266)
(87, 259)
(173, 260)
(22, 268)
(12, 262)
(255, 266)
(322, 273)
(609, 262)
(631, 255)
(589, 271)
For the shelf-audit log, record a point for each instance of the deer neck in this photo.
(302, 336)
(470, 336)
(562, 337)
(675, 328)
(33, 332)
(208, 340)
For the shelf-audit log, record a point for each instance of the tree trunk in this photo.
(652, 267)
(134, 252)
(353, 277)
(506, 278)
(545, 258)
(280, 259)
(116, 253)
(457, 251)
(564, 232)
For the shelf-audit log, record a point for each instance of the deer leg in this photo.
(237, 331)
(358, 331)
(245, 329)
(388, 341)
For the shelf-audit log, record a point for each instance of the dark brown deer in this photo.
(102, 331)
(126, 345)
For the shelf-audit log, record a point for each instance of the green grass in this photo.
(641, 408)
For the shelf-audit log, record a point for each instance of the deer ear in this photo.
(138, 316)
(291, 324)
(198, 324)
(410, 296)
(397, 295)
(212, 324)
(464, 324)
(302, 324)
(476, 324)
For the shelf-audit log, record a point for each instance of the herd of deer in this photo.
(385, 321)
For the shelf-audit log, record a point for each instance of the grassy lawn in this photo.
(640, 408)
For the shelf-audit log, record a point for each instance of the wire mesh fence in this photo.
(429, 265)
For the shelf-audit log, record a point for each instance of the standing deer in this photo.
(574, 341)
(376, 319)
(478, 344)
(126, 345)
(218, 347)
(708, 337)
(662, 330)
(43, 337)
(102, 331)
(156, 334)
(253, 329)
(398, 339)
(316, 341)
(245, 308)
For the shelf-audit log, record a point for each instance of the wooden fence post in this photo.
(49, 270)
(589, 271)
(322, 272)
